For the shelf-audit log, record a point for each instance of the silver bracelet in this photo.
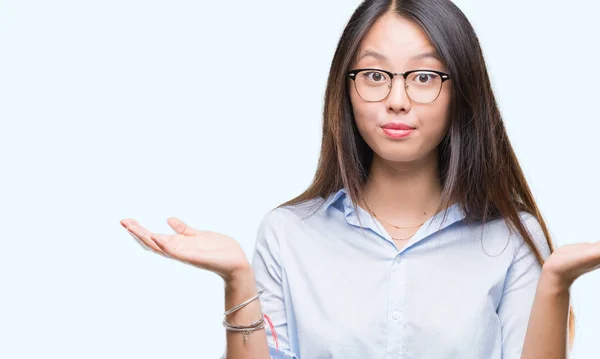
(251, 325)
(243, 304)
(245, 330)
(249, 330)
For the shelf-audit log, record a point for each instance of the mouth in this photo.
(397, 126)
(397, 133)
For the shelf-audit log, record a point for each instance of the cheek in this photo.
(365, 113)
(434, 119)
(365, 116)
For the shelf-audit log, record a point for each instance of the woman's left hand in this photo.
(571, 261)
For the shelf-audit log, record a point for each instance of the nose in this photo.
(398, 99)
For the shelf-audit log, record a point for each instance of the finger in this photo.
(164, 243)
(141, 235)
(180, 227)
(145, 241)
(177, 246)
(129, 222)
(140, 242)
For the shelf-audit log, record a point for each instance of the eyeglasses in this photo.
(422, 86)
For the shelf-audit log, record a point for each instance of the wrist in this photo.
(239, 277)
(553, 283)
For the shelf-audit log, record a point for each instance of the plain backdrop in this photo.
(211, 112)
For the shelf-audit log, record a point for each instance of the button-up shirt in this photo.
(339, 288)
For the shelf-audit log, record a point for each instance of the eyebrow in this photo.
(423, 55)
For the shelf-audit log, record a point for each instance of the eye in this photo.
(374, 76)
(424, 78)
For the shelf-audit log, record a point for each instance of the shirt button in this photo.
(398, 259)
(395, 314)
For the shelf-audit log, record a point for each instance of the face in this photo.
(398, 41)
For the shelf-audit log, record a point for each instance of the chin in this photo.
(399, 157)
(405, 152)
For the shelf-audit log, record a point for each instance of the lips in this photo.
(397, 126)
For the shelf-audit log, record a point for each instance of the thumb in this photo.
(180, 227)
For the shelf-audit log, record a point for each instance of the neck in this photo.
(404, 193)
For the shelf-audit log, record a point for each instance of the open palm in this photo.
(571, 261)
(207, 250)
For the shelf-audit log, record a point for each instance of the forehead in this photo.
(397, 39)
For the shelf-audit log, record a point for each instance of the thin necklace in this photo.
(393, 225)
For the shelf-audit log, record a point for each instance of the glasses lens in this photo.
(423, 86)
(372, 85)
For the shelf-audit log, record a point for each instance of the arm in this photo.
(237, 290)
(267, 273)
(547, 333)
(519, 290)
(224, 256)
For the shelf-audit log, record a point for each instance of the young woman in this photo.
(419, 237)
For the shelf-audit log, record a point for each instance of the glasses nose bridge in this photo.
(394, 75)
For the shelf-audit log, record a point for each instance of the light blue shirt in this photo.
(336, 289)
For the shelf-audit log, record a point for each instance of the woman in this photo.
(419, 236)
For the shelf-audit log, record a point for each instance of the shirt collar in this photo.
(333, 198)
(341, 200)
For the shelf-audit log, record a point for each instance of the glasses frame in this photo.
(352, 75)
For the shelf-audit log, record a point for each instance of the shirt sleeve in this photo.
(268, 272)
(519, 289)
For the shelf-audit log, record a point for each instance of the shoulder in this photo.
(495, 233)
(295, 213)
(536, 232)
(533, 227)
(279, 220)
